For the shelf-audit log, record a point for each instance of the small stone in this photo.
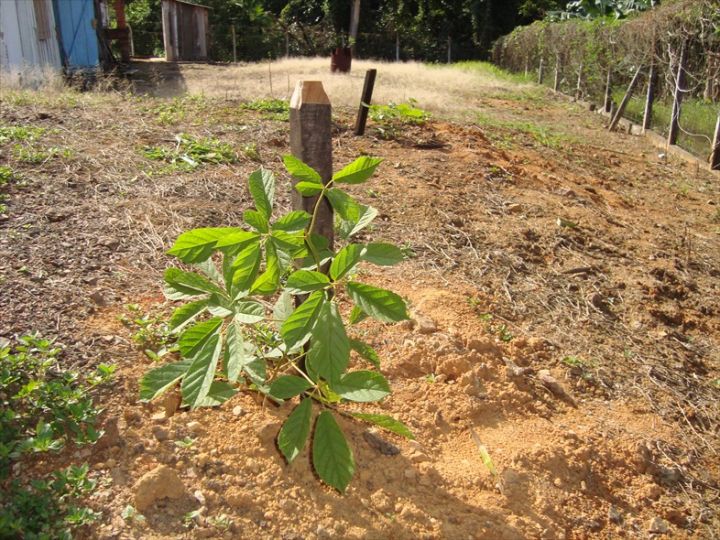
(552, 384)
(425, 325)
(199, 496)
(160, 483)
(111, 437)
(160, 433)
(658, 525)
(238, 411)
(614, 515)
(237, 498)
(171, 403)
(381, 501)
(267, 431)
(514, 208)
(410, 474)
(196, 428)
(98, 298)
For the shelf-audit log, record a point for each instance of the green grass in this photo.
(696, 116)
(190, 153)
(540, 134)
(490, 70)
(274, 109)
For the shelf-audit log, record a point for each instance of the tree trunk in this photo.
(354, 23)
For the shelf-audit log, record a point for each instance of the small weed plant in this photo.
(20, 134)
(190, 153)
(44, 407)
(273, 109)
(151, 332)
(392, 117)
(263, 313)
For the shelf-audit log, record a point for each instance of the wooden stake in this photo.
(715, 156)
(578, 86)
(677, 98)
(449, 50)
(311, 142)
(650, 98)
(625, 99)
(541, 73)
(232, 31)
(556, 84)
(397, 46)
(365, 101)
(608, 90)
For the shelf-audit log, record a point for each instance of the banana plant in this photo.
(258, 313)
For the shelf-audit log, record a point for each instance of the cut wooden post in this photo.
(365, 101)
(234, 44)
(625, 99)
(715, 155)
(449, 50)
(650, 98)
(608, 90)
(578, 86)
(397, 46)
(541, 73)
(556, 84)
(311, 142)
(677, 98)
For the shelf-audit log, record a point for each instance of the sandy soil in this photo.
(565, 294)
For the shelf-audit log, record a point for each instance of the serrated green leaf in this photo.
(256, 220)
(353, 216)
(269, 281)
(332, 457)
(283, 307)
(329, 352)
(158, 380)
(379, 303)
(308, 189)
(219, 393)
(362, 386)
(305, 281)
(193, 339)
(185, 314)
(246, 265)
(287, 386)
(358, 171)
(190, 283)
(365, 351)
(199, 377)
(208, 268)
(300, 170)
(219, 306)
(197, 245)
(262, 189)
(293, 221)
(357, 315)
(386, 422)
(249, 311)
(295, 430)
(368, 215)
(235, 242)
(345, 260)
(296, 328)
(382, 254)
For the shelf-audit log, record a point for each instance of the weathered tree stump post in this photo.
(365, 101)
(715, 155)
(650, 97)
(541, 73)
(626, 99)
(677, 98)
(608, 90)
(311, 142)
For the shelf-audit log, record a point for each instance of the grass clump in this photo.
(190, 153)
(392, 117)
(274, 109)
(540, 134)
(20, 133)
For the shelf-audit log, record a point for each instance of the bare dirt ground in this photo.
(566, 294)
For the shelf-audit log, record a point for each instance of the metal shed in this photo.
(185, 30)
(77, 22)
(28, 42)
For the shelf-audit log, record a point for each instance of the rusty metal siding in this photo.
(22, 52)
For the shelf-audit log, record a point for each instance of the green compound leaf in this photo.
(235, 242)
(345, 260)
(219, 393)
(386, 422)
(287, 386)
(249, 311)
(158, 380)
(185, 314)
(269, 281)
(240, 356)
(308, 189)
(362, 386)
(197, 245)
(293, 221)
(380, 304)
(256, 220)
(329, 352)
(357, 315)
(295, 430)
(199, 377)
(332, 457)
(190, 283)
(358, 171)
(262, 189)
(301, 171)
(365, 351)
(305, 281)
(193, 339)
(246, 266)
(296, 328)
(382, 254)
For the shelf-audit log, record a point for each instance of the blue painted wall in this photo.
(78, 38)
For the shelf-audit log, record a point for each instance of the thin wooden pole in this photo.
(578, 86)
(677, 98)
(397, 46)
(449, 50)
(287, 44)
(354, 23)
(650, 97)
(367, 92)
(715, 156)
(608, 90)
(625, 99)
(556, 84)
(311, 142)
(541, 73)
(234, 43)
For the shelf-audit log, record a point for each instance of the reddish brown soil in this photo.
(524, 255)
